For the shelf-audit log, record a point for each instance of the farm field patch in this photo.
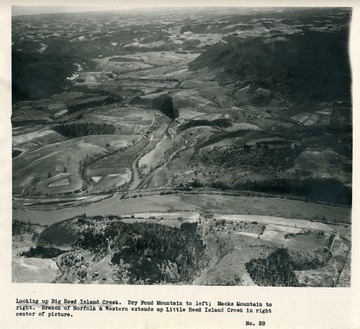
(46, 165)
(152, 159)
(158, 178)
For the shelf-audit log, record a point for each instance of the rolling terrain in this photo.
(211, 147)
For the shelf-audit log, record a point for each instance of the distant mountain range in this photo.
(297, 69)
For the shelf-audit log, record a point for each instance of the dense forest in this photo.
(309, 66)
(74, 130)
(144, 252)
(278, 268)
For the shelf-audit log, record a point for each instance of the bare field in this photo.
(172, 220)
(310, 240)
(194, 84)
(244, 137)
(31, 114)
(98, 271)
(34, 270)
(227, 268)
(277, 207)
(278, 222)
(158, 178)
(240, 137)
(38, 166)
(119, 160)
(115, 141)
(112, 181)
(28, 139)
(192, 99)
(115, 169)
(187, 113)
(40, 169)
(231, 267)
(141, 60)
(326, 276)
(323, 164)
(180, 162)
(31, 270)
(242, 126)
(67, 96)
(30, 136)
(167, 58)
(125, 119)
(152, 159)
(340, 246)
(306, 119)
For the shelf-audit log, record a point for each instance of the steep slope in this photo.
(138, 253)
(313, 66)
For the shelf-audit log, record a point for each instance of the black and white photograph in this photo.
(207, 146)
(179, 164)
